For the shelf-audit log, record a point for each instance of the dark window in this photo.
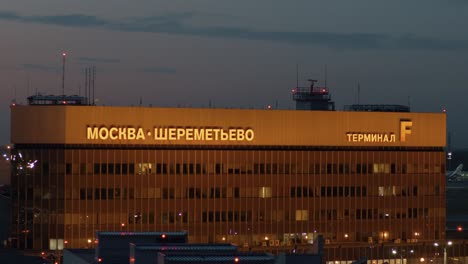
(118, 168)
(103, 194)
(45, 168)
(103, 168)
(218, 168)
(97, 168)
(82, 194)
(68, 168)
(89, 194)
(110, 194)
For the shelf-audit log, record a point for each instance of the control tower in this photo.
(313, 98)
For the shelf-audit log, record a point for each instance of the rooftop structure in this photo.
(377, 108)
(57, 100)
(313, 98)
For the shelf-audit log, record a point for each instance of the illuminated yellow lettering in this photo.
(172, 133)
(160, 133)
(189, 134)
(216, 133)
(224, 135)
(113, 133)
(240, 135)
(122, 133)
(249, 134)
(349, 135)
(232, 135)
(92, 133)
(367, 137)
(379, 137)
(199, 134)
(140, 134)
(405, 129)
(392, 137)
(208, 134)
(131, 133)
(360, 137)
(103, 133)
(180, 133)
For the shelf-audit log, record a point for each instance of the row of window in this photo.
(279, 215)
(256, 168)
(237, 192)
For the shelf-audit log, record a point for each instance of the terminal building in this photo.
(367, 181)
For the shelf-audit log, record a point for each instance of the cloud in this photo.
(161, 70)
(40, 67)
(97, 60)
(176, 24)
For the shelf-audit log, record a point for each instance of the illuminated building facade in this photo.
(256, 178)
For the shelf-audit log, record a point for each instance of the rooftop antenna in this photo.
(86, 85)
(94, 77)
(297, 75)
(326, 77)
(64, 55)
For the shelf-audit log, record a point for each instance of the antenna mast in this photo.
(94, 77)
(64, 55)
(326, 87)
(297, 75)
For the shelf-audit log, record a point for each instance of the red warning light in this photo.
(459, 228)
(99, 260)
(163, 235)
(236, 259)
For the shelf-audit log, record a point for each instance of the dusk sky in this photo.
(239, 54)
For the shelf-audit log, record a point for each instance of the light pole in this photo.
(449, 243)
(402, 251)
(394, 252)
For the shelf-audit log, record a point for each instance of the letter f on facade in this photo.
(405, 129)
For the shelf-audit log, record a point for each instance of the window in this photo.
(264, 192)
(302, 215)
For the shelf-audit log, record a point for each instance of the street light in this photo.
(449, 243)
(394, 252)
(402, 252)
